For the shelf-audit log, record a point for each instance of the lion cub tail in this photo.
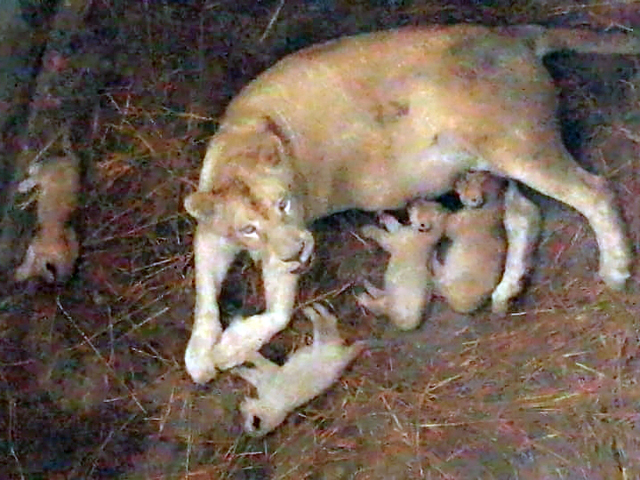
(546, 40)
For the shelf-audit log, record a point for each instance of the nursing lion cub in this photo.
(408, 282)
(474, 261)
(371, 122)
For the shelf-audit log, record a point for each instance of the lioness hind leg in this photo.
(552, 171)
(522, 227)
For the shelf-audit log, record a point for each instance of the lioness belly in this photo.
(376, 187)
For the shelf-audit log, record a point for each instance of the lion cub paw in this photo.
(373, 298)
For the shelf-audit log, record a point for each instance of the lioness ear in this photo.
(200, 205)
(272, 143)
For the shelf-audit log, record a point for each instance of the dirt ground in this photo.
(92, 381)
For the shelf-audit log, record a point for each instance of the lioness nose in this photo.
(298, 256)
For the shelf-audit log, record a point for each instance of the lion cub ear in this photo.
(200, 205)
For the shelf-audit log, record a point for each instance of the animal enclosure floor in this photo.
(92, 377)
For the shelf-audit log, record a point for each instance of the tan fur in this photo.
(371, 122)
(54, 249)
(408, 283)
(474, 261)
(307, 373)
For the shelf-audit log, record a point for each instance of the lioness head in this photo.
(253, 200)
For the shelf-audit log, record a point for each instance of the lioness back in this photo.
(361, 113)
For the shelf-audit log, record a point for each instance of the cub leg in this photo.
(213, 256)
(551, 170)
(383, 236)
(522, 227)
(325, 325)
(373, 299)
(391, 223)
(262, 370)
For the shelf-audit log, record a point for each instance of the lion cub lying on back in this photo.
(306, 374)
(474, 262)
(54, 249)
(408, 284)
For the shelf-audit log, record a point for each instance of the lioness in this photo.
(371, 122)
(408, 283)
(474, 261)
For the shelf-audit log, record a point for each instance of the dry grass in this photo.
(92, 379)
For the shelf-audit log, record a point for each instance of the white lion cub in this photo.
(408, 283)
(473, 264)
(54, 249)
(307, 373)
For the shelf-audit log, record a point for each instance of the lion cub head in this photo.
(477, 189)
(251, 196)
(427, 216)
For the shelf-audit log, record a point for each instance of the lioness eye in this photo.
(248, 230)
(284, 204)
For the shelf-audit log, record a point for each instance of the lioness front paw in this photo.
(199, 364)
(500, 299)
(614, 270)
(198, 357)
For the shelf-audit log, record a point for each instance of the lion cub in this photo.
(54, 249)
(408, 283)
(473, 264)
(307, 373)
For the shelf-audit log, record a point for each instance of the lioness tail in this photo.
(546, 40)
